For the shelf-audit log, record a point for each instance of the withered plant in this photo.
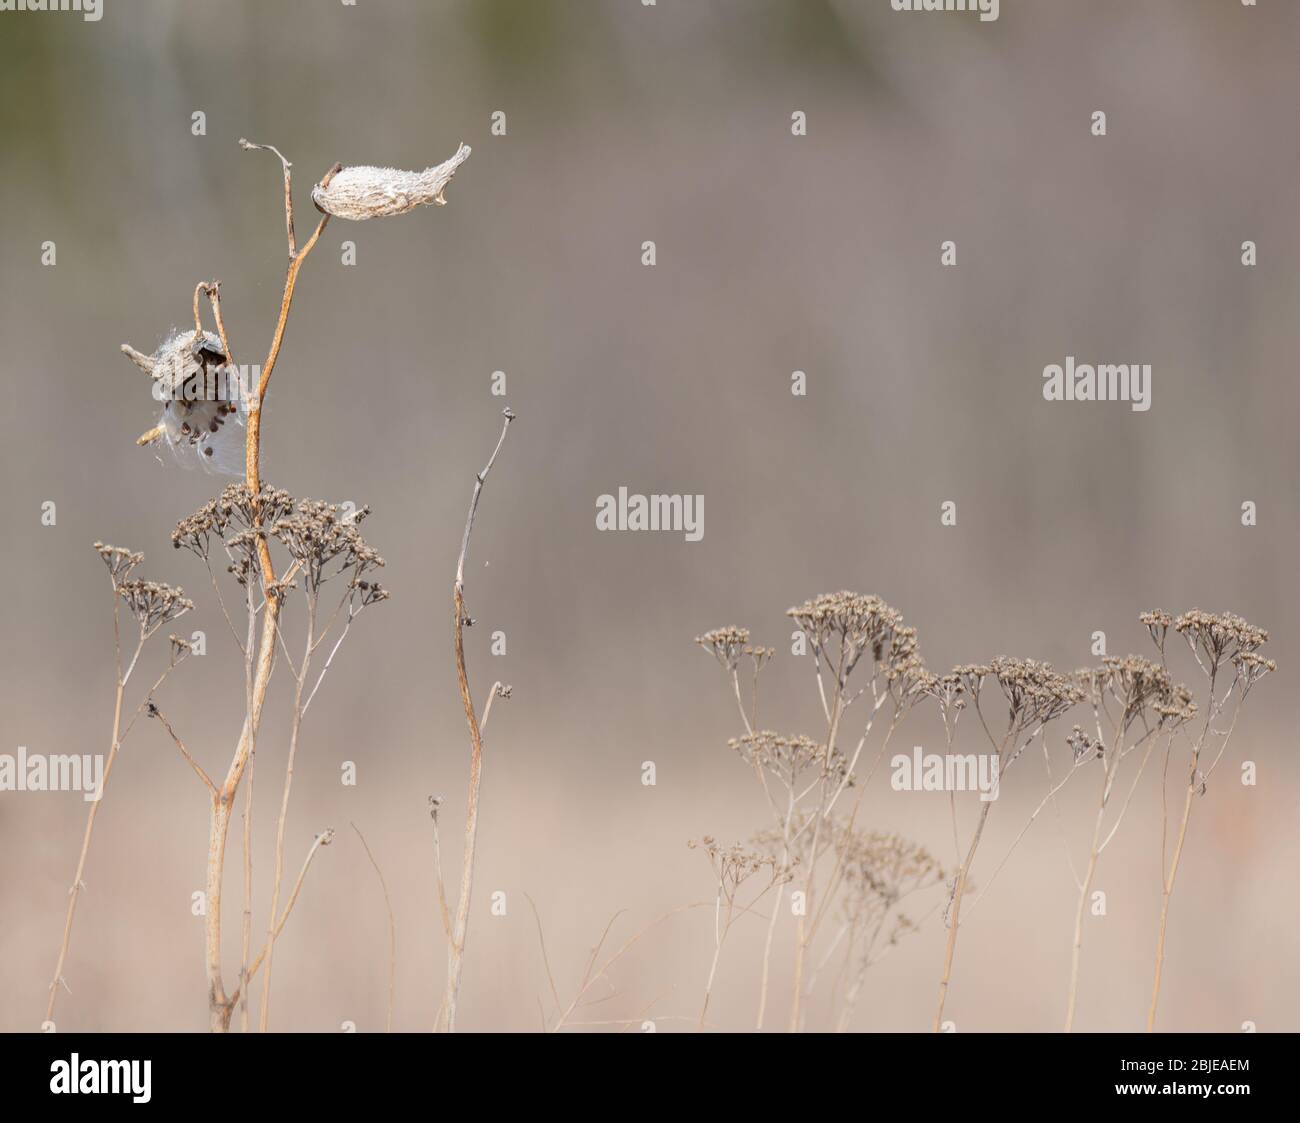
(151, 606)
(732, 867)
(1135, 705)
(804, 780)
(212, 415)
(455, 927)
(1033, 695)
(1225, 649)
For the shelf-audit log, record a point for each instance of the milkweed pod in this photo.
(203, 404)
(359, 193)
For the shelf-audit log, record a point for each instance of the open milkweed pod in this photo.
(359, 193)
(203, 407)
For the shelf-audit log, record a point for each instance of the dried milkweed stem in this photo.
(220, 1007)
(456, 944)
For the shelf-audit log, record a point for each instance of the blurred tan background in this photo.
(775, 253)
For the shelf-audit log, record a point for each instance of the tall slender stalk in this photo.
(220, 1007)
(456, 940)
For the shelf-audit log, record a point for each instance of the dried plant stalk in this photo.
(392, 930)
(220, 1007)
(456, 941)
(1220, 644)
(120, 564)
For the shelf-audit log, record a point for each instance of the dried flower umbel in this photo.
(1134, 703)
(151, 605)
(322, 543)
(1225, 649)
(1034, 694)
(882, 870)
(842, 627)
(732, 867)
(787, 759)
(804, 778)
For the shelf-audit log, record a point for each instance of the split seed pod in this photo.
(358, 193)
(203, 412)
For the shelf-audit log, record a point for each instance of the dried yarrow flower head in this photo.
(180, 648)
(1084, 747)
(789, 757)
(1158, 624)
(1251, 667)
(727, 645)
(1133, 686)
(372, 592)
(153, 603)
(1035, 692)
(842, 627)
(1214, 637)
(120, 562)
(203, 403)
(794, 843)
(736, 864)
(358, 193)
(244, 550)
(318, 534)
(948, 690)
(234, 510)
(1178, 711)
(880, 869)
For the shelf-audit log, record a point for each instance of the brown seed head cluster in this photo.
(880, 869)
(1252, 667)
(948, 690)
(1137, 686)
(1035, 692)
(152, 603)
(1218, 636)
(233, 508)
(793, 844)
(120, 561)
(734, 865)
(1158, 623)
(788, 757)
(1084, 747)
(318, 534)
(842, 627)
(727, 645)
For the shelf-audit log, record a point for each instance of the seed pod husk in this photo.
(362, 192)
